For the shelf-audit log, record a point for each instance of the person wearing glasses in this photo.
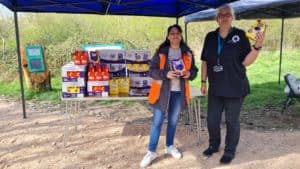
(171, 69)
(225, 55)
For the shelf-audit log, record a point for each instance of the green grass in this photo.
(10, 89)
(263, 77)
(13, 90)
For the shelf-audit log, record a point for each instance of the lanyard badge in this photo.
(219, 67)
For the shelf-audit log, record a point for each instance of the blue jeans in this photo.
(158, 118)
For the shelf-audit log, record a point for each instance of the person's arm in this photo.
(203, 77)
(156, 73)
(252, 55)
(204, 56)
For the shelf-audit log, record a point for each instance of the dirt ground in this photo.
(115, 136)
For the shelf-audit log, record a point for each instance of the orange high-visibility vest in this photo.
(156, 84)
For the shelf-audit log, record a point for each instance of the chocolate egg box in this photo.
(112, 56)
(138, 56)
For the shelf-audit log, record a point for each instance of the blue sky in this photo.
(4, 12)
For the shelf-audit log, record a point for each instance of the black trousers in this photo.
(232, 107)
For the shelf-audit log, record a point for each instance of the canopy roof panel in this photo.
(253, 9)
(163, 8)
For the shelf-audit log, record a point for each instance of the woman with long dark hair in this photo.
(171, 68)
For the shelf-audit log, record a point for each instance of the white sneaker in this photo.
(148, 158)
(173, 151)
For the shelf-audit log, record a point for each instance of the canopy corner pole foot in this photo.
(281, 43)
(19, 63)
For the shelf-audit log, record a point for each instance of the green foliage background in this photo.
(61, 34)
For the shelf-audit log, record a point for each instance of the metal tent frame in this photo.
(159, 8)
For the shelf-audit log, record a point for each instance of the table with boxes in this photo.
(107, 74)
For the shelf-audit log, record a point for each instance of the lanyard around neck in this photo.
(220, 45)
(221, 42)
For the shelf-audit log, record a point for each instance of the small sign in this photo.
(35, 58)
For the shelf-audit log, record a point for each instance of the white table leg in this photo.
(67, 119)
(191, 116)
(76, 115)
(194, 105)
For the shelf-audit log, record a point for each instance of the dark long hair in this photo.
(166, 43)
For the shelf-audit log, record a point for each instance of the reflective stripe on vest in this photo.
(187, 59)
(156, 84)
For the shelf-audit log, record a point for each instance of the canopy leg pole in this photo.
(177, 20)
(19, 63)
(281, 43)
(185, 33)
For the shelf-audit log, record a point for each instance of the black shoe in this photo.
(209, 151)
(226, 159)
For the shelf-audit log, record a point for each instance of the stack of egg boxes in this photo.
(137, 62)
(73, 80)
(114, 59)
(98, 77)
